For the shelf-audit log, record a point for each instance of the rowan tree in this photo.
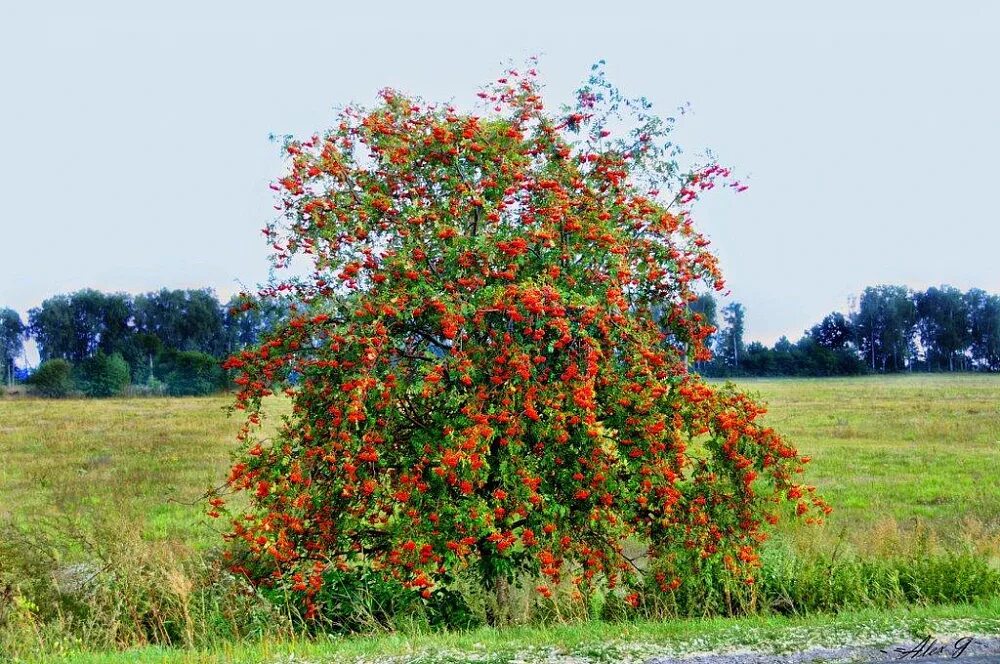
(477, 379)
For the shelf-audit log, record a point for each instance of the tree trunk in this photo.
(499, 613)
(503, 601)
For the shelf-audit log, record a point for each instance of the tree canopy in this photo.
(488, 370)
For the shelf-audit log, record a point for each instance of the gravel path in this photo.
(965, 649)
(944, 649)
(965, 640)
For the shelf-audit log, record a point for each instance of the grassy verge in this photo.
(595, 641)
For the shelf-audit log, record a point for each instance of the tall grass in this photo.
(106, 589)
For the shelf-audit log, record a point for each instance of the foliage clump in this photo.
(488, 372)
(189, 373)
(53, 378)
(103, 375)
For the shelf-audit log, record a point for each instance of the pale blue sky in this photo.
(135, 152)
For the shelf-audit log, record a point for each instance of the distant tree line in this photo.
(893, 329)
(100, 344)
(173, 341)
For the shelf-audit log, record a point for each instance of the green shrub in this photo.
(53, 378)
(103, 375)
(189, 373)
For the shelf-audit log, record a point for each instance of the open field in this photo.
(897, 451)
(909, 462)
(126, 457)
(888, 452)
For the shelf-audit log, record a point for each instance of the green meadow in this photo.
(909, 452)
(888, 452)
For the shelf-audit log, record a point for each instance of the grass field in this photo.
(146, 459)
(902, 459)
(898, 451)
(888, 452)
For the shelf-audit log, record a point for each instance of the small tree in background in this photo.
(53, 378)
(11, 343)
(944, 323)
(984, 326)
(478, 379)
(730, 345)
(884, 325)
(189, 373)
(102, 375)
(834, 331)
